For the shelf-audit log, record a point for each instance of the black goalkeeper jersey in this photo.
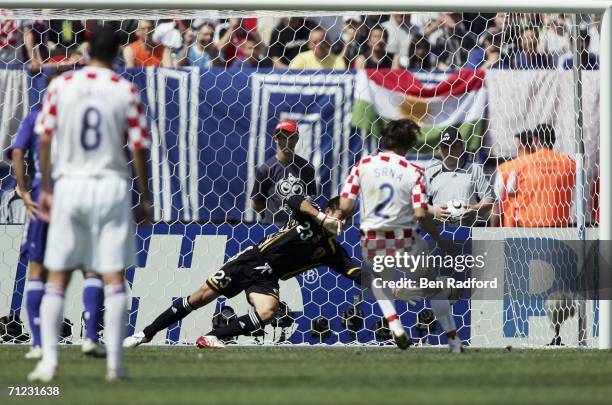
(302, 244)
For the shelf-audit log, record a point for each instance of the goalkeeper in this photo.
(306, 241)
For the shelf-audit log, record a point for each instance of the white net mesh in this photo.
(216, 83)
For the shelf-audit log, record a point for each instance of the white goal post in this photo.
(237, 8)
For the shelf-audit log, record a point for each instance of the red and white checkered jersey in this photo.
(390, 187)
(92, 114)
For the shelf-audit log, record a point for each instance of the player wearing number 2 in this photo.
(393, 204)
(91, 115)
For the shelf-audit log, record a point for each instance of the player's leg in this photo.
(115, 320)
(37, 276)
(384, 296)
(67, 238)
(35, 290)
(264, 309)
(387, 307)
(441, 308)
(177, 311)
(93, 301)
(52, 311)
(112, 247)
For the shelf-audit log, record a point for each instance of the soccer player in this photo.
(306, 241)
(26, 147)
(90, 115)
(393, 203)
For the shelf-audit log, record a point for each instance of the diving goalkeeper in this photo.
(306, 241)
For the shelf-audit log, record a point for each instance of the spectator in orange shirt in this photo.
(505, 182)
(535, 189)
(144, 51)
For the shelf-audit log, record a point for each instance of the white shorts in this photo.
(92, 227)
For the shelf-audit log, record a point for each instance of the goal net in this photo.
(521, 89)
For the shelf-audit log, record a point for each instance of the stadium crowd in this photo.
(418, 41)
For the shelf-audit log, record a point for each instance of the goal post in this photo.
(110, 9)
(383, 6)
(605, 306)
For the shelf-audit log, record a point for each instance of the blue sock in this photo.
(93, 300)
(35, 289)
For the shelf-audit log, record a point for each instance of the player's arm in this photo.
(138, 143)
(330, 224)
(18, 157)
(17, 153)
(342, 263)
(347, 207)
(349, 193)
(46, 188)
(45, 127)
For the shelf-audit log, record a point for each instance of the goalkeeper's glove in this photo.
(331, 225)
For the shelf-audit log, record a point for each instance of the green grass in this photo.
(179, 375)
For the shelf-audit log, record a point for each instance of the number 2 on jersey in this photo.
(383, 204)
(90, 134)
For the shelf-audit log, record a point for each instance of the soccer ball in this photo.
(456, 209)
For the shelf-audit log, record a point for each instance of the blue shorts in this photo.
(36, 238)
(36, 241)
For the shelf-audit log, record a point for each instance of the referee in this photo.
(456, 177)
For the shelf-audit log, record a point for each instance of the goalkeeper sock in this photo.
(115, 320)
(241, 326)
(177, 311)
(442, 310)
(93, 300)
(51, 315)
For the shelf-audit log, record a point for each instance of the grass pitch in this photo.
(186, 375)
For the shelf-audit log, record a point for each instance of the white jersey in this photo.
(390, 187)
(92, 114)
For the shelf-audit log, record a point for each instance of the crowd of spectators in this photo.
(419, 41)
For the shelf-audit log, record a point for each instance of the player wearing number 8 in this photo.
(91, 115)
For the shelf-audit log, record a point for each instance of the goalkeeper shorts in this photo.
(248, 272)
